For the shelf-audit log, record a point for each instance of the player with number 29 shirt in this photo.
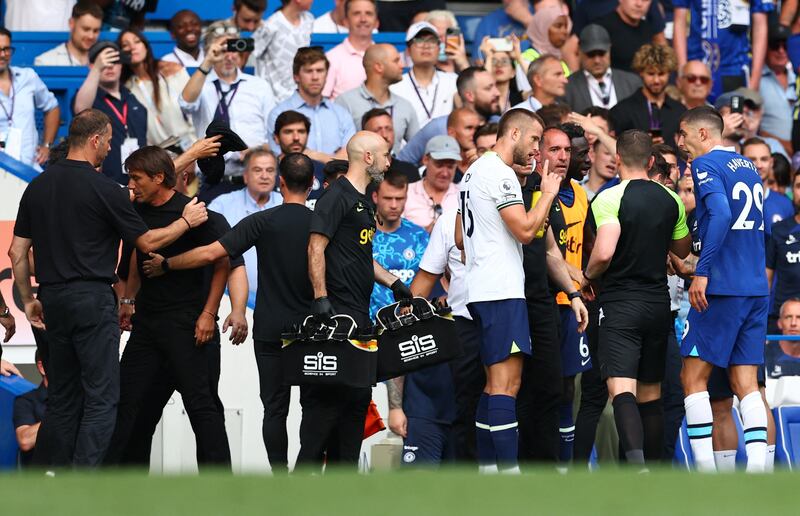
(727, 324)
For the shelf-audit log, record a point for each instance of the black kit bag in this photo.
(329, 352)
(424, 337)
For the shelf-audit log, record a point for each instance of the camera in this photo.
(241, 45)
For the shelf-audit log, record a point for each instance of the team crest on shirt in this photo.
(409, 254)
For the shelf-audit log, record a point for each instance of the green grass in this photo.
(445, 492)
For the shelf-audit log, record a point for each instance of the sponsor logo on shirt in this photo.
(792, 257)
(791, 240)
(404, 275)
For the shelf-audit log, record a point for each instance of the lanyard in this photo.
(174, 53)
(224, 107)
(428, 112)
(10, 115)
(655, 119)
(122, 117)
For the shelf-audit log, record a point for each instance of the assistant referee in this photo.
(75, 217)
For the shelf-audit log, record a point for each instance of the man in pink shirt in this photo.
(436, 193)
(347, 71)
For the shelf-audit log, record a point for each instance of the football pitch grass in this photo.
(444, 492)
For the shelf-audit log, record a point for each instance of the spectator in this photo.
(430, 91)
(781, 177)
(547, 79)
(461, 125)
(38, 15)
(503, 66)
(226, 93)
(550, 33)
(157, 85)
(718, 36)
(102, 90)
(248, 14)
(510, 20)
(333, 21)
(84, 29)
(604, 169)
(597, 84)
(29, 411)
(477, 90)
(669, 169)
(783, 265)
(22, 92)
(452, 56)
(291, 135)
(589, 11)
(695, 83)
(427, 199)
(485, 137)
(276, 43)
(776, 207)
(778, 89)
(346, 71)
(186, 29)
(398, 15)
(379, 121)
(332, 125)
(383, 68)
(782, 358)
(747, 124)
(596, 124)
(650, 109)
(260, 175)
(629, 31)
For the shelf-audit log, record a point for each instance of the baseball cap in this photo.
(99, 46)
(594, 37)
(751, 97)
(443, 147)
(778, 32)
(418, 27)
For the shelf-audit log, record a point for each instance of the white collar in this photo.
(723, 148)
(606, 76)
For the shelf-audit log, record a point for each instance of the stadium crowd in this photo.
(550, 181)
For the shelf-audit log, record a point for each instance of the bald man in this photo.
(695, 84)
(383, 67)
(342, 274)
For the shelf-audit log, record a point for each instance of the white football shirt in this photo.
(494, 255)
(442, 255)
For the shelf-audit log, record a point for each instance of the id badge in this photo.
(128, 146)
(13, 143)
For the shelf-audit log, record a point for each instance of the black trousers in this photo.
(672, 395)
(540, 393)
(275, 398)
(396, 16)
(469, 380)
(156, 340)
(594, 394)
(83, 374)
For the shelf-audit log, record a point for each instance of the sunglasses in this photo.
(702, 79)
(777, 45)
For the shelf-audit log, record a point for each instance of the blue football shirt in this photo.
(776, 208)
(783, 256)
(732, 257)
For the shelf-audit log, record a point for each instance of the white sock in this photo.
(754, 420)
(511, 471)
(699, 421)
(770, 464)
(725, 460)
(488, 469)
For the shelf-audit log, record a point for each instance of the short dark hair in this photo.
(373, 113)
(90, 8)
(394, 178)
(466, 79)
(635, 148)
(348, 2)
(171, 23)
(334, 169)
(152, 160)
(5, 32)
(600, 112)
(258, 6)
(572, 130)
(554, 114)
(663, 149)
(781, 169)
(297, 171)
(703, 115)
(514, 118)
(755, 140)
(291, 117)
(660, 166)
(308, 56)
(551, 129)
(86, 124)
(483, 130)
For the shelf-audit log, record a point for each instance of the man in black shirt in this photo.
(629, 30)
(284, 294)
(342, 274)
(75, 218)
(638, 222)
(174, 316)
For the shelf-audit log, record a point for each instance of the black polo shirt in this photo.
(534, 254)
(29, 409)
(76, 217)
(345, 216)
(284, 293)
(136, 127)
(633, 113)
(626, 39)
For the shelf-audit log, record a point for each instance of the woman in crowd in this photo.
(550, 32)
(503, 66)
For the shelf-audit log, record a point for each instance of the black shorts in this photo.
(719, 384)
(633, 339)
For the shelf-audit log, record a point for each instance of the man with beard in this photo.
(478, 91)
(84, 28)
(650, 109)
(291, 135)
(186, 27)
(342, 272)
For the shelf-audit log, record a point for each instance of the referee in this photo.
(638, 222)
(342, 274)
(75, 218)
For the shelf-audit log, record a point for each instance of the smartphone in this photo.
(452, 37)
(241, 45)
(655, 133)
(737, 104)
(124, 58)
(501, 44)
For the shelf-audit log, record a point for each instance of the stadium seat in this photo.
(786, 392)
(10, 388)
(787, 438)
(684, 458)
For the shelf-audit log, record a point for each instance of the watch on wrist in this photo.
(576, 294)
(165, 265)
(127, 301)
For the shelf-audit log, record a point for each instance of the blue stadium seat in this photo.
(217, 10)
(787, 438)
(10, 388)
(684, 458)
